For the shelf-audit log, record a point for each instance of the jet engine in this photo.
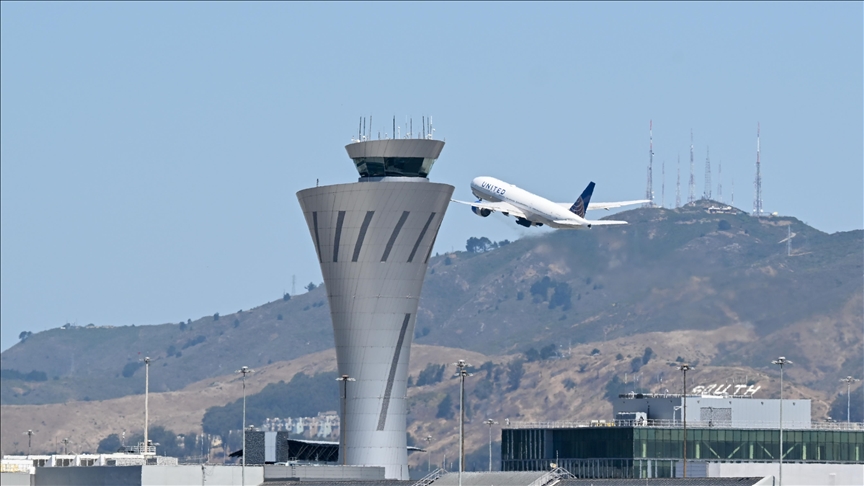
(482, 212)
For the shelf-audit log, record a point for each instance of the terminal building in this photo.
(645, 439)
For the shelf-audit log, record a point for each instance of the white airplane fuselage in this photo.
(537, 209)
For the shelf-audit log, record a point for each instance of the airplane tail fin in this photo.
(578, 207)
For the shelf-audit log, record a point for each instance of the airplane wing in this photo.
(606, 206)
(567, 222)
(501, 207)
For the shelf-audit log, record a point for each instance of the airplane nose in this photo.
(477, 182)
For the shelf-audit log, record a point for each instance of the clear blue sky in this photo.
(151, 152)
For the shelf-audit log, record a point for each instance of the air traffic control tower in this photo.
(374, 238)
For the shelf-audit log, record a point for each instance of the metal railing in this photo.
(142, 449)
(696, 424)
(553, 477)
(431, 477)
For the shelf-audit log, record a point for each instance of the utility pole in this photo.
(849, 380)
(146, 405)
(462, 373)
(244, 371)
(490, 423)
(780, 362)
(29, 435)
(428, 439)
(343, 421)
(685, 368)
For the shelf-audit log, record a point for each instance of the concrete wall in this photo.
(793, 474)
(373, 241)
(299, 472)
(15, 479)
(89, 476)
(183, 475)
(193, 474)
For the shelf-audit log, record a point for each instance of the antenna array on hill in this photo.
(757, 184)
(663, 185)
(678, 185)
(649, 191)
(692, 196)
(733, 192)
(720, 181)
(707, 193)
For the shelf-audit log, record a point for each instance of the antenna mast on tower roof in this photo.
(692, 196)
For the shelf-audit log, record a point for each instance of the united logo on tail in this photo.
(578, 207)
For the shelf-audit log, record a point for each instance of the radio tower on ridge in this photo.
(649, 191)
(692, 196)
(707, 193)
(663, 185)
(720, 181)
(757, 201)
(733, 192)
(678, 185)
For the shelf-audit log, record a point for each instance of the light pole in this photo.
(462, 373)
(343, 422)
(685, 368)
(675, 409)
(244, 371)
(490, 423)
(29, 435)
(428, 439)
(780, 362)
(849, 380)
(146, 404)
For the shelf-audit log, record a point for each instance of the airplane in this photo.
(532, 210)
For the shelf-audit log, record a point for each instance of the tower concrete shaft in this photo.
(373, 239)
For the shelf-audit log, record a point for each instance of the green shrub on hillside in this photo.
(445, 408)
(303, 396)
(13, 374)
(431, 374)
(131, 368)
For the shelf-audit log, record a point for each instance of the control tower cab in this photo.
(373, 239)
(395, 158)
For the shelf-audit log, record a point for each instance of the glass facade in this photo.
(599, 452)
(393, 166)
